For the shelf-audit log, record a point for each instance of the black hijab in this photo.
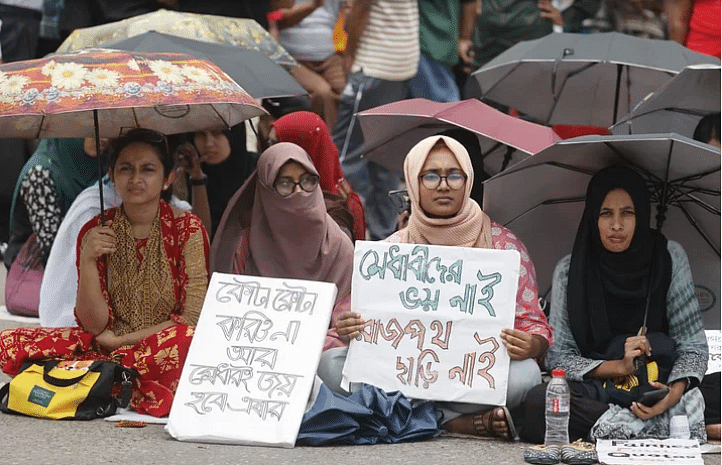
(225, 178)
(607, 291)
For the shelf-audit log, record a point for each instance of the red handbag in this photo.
(22, 285)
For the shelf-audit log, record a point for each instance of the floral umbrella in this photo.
(61, 95)
(98, 92)
(241, 32)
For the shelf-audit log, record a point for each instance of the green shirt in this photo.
(439, 29)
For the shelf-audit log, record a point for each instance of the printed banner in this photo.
(252, 362)
(649, 451)
(433, 316)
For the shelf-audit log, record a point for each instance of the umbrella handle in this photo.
(99, 158)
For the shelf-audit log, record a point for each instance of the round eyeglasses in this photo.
(286, 186)
(432, 180)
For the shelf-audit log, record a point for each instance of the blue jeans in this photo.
(434, 81)
(371, 181)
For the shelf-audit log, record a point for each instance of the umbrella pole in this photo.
(616, 93)
(660, 217)
(98, 157)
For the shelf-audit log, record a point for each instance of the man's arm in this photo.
(355, 24)
(466, 36)
(679, 13)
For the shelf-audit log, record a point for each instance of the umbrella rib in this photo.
(561, 89)
(684, 111)
(220, 116)
(547, 202)
(621, 155)
(516, 65)
(695, 224)
(40, 126)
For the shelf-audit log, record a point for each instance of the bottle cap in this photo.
(558, 373)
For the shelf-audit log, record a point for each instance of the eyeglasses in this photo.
(432, 180)
(286, 186)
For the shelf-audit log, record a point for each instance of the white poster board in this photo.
(252, 361)
(714, 342)
(649, 451)
(433, 319)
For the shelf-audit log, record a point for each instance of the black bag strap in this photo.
(126, 387)
(4, 391)
(49, 365)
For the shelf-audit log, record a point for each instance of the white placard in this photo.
(433, 319)
(649, 451)
(714, 342)
(252, 362)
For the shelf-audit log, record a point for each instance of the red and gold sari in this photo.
(145, 282)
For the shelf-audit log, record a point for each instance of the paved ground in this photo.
(29, 441)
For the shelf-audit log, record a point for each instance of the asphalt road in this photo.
(30, 441)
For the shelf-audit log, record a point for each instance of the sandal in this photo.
(541, 454)
(579, 453)
(483, 424)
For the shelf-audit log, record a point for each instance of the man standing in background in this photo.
(382, 54)
(446, 33)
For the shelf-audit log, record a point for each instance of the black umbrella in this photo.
(252, 70)
(583, 79)
(542, 197)
(368, 416)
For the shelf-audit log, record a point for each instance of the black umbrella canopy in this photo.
(252, 70)
(584, 79)
(541, 200)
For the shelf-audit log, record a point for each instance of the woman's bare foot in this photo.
(713, 431)
(493, 423)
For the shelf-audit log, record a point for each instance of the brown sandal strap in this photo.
(484, 425)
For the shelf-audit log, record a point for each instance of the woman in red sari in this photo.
(142, 278)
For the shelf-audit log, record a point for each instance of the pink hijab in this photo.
(289, 237)
(470, 227)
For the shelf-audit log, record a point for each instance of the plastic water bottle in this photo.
(557, 410)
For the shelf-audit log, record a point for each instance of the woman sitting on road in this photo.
(142, 280)
(276, 226)
(599, 295)
(439, 178)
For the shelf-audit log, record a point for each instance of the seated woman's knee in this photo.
(523, 376)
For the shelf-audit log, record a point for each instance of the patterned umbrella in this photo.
(60, 96)
(245, 33)
(98, 92)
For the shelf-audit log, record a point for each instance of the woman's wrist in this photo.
(198, 180)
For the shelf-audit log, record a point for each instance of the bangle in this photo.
(199, 182)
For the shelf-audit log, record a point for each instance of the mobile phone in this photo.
(650, 398)
(400, 199)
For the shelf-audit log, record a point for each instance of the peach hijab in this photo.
(470, 227)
